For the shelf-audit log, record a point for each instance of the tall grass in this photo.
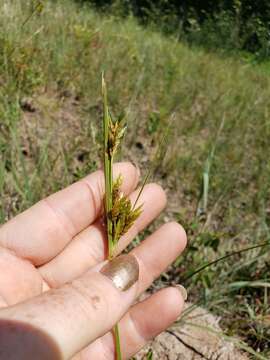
(50, 111)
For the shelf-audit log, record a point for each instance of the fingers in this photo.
(69, 318)
(139, 325)
(142, 324)
(19, 279)
(3, 302)
(78, 313)
(157, 252)
(41, 232)
(90, 246)
(153, 255)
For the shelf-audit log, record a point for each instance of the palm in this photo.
(61, 237)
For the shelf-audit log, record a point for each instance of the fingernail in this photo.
(123, 271)
(183, 291)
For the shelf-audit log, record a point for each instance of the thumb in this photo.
(61, 322)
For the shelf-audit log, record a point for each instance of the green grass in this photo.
(50, 135)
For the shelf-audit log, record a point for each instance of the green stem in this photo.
(117, 342)
(222, 258)
(108, 172)
(29, 17)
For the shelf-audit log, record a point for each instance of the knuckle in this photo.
(91, 298)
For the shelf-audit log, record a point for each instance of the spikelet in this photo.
(116, 133)
(123, 215)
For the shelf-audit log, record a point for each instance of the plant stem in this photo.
(117, 342)
(34, 10)
(108, 172)
(203, 267)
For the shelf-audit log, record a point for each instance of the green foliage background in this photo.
(50, 133)
(229, 24)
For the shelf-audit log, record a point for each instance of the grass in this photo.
(50, 135)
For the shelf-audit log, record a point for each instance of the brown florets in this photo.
(123, 214)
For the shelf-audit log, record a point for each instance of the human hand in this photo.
(55, 303)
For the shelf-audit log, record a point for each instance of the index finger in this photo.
(41, 232)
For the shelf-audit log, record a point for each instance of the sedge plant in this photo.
(120, 214)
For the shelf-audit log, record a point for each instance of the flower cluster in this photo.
(123, 214)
